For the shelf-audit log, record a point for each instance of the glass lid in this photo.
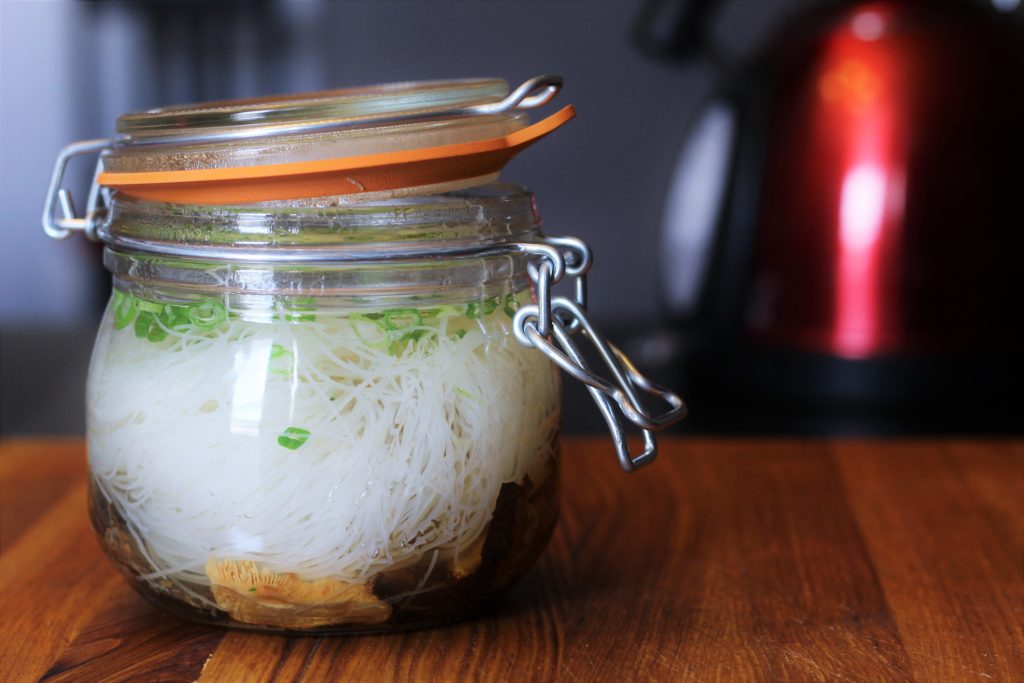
(350, 104)
(395, 139)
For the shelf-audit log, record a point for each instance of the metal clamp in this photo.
(578, 258)
(535, 92)
(558, 317)
(59, 198)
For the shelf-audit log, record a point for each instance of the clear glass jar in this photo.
(315, 412)
(345, 446)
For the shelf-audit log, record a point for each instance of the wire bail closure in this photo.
(58, 198)
(549, 326)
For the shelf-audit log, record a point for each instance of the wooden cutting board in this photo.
(726, 560)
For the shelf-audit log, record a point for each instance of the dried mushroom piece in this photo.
(523, 521)
(254, 595)
(469, 557)
(112, 529)
(524, 516)
(124, 551)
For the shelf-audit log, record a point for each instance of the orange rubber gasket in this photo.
(338, 176)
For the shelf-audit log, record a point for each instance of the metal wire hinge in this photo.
(549, 326)
(59, 218)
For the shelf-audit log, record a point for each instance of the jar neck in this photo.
(459, 246)
(328, 229)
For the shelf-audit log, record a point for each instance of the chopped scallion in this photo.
(367, 328)
(510, 305)
(401, 318)
(302, 303)
(149, 306)
(293, 437)
(207, 314)
(124, 310)
(280, 362)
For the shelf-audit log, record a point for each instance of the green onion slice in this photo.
(370, 330)
(124, 310)
(510, 305)
(401, 318)
(293, 438)
(207, 314)
(149, 306)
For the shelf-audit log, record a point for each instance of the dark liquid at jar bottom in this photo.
(427, 593)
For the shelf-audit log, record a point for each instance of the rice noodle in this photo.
(408, 442)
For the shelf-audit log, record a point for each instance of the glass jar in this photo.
(330, 413)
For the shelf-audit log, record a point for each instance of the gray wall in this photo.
(69, 68)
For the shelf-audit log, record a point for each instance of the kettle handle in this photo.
(694, 208)
(676, 30)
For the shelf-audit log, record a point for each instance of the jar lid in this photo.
(397, 138)
(350, 104)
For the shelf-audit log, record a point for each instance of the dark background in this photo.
(67, 69)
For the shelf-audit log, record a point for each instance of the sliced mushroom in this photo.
(255, 595)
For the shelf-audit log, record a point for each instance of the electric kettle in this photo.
(845, 225)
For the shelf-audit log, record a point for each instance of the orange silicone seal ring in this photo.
(338, 176)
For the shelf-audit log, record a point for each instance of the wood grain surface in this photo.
(726, 560)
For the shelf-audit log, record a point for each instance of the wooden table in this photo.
(727, 560)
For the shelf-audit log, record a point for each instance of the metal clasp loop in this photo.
(578, 258)
(559, 318)
(58, 198)
(627, 461)
(535, 92)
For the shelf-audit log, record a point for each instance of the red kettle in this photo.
(846, 220)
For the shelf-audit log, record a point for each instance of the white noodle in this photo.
(405, 456)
